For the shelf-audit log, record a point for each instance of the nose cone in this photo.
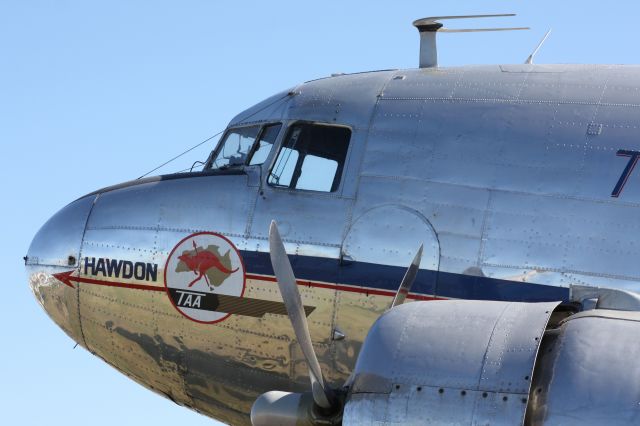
(55, 251)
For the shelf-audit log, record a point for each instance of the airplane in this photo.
(271, 287)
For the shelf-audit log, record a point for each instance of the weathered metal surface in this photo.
(503, 163)
(58, 241)
(56, 248)
(588, 372)
(448, 362)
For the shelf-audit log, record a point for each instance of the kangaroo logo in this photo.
(206, 263)
(203, 269)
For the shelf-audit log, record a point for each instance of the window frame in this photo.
(263, 125)
(256, 144)
(284, 136)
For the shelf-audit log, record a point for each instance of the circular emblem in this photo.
(203, 276)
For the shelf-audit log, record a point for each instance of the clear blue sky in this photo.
(95, 93)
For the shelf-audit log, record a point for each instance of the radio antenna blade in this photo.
(535, 51)
(480, 30)
(432, 19)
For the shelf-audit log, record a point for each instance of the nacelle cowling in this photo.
(499, 363)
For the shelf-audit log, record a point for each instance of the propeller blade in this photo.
(322, 395)
(408, 279)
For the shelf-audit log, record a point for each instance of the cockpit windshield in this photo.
(248, 145)
(235, 147)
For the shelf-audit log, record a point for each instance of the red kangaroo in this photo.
(201, 262)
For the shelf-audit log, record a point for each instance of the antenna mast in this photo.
(428, 27)
(535, 51)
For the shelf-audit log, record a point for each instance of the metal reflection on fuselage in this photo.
(492, 168)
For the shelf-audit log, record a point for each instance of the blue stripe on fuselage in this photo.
(385, 277)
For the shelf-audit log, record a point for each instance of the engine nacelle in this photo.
(498, 363)
(588, 371)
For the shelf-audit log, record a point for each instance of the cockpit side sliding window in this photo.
(248, 145)
(312, 157)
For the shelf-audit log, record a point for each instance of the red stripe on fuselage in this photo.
(116, 284)
(315, 284)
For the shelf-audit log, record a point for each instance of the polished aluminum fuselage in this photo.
(505, 173)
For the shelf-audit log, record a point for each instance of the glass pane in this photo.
(265, 144)
(235, 147)
(320, 154)
(317, 174)
(282, 172)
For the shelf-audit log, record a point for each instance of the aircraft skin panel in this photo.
(577, 231)
(345, 99)
(495, 153)
(61, 234)
(327, 209)
(224, 200)
(218, 369)
(425, 364)
(507, 172)
(450, 209)
(60, 302)
(272, 108)
(610, 374)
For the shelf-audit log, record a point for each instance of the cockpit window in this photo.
(262, 149)
(245, 145)
(235, 147)
(312, 157)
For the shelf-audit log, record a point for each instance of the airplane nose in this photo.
(55, 249)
